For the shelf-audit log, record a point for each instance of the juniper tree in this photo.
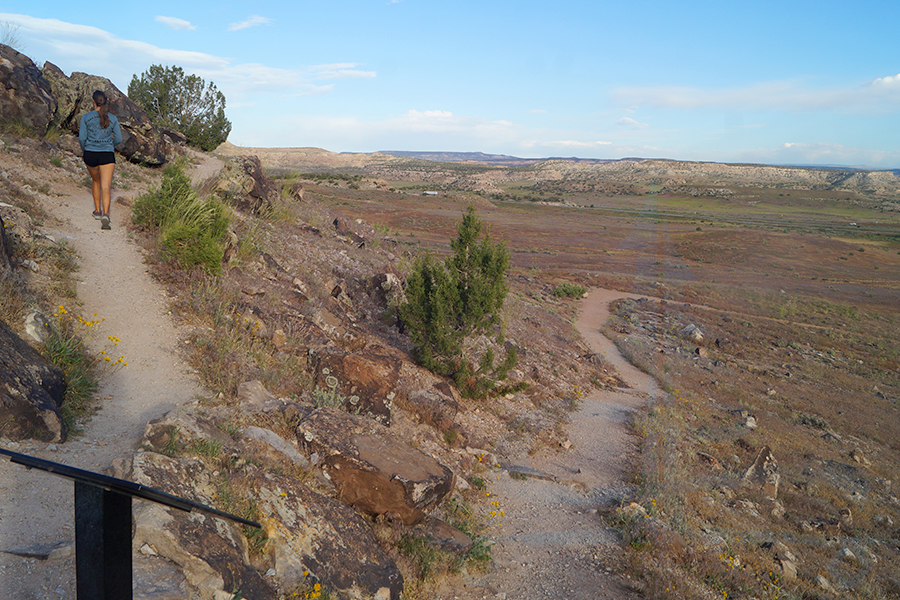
(452, 305)
(184, 103)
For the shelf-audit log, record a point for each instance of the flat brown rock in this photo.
(371, 469)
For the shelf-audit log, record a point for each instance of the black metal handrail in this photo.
(103, 525)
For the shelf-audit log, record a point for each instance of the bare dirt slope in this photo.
(550, 541)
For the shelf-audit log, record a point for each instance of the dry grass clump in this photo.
(801, 389)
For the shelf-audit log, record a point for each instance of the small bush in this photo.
(452, 303)
(190, 229)
(569, 290)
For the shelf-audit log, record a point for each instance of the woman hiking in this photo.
(99, 134)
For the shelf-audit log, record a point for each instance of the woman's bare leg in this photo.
(96, 190)
(106, 175)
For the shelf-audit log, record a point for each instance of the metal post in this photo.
(102, 543)
(103, 525)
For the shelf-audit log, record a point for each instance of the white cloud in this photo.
(251, 21)
(538, 111)
(340, 71)
(631, 123)
(888, 81)
(793, 96)
(575, 144)
(93, 50)
(175, 23)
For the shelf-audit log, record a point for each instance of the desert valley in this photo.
(704, 403)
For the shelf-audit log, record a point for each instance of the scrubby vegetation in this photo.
(697, 525)
(450, 304)
(191, 230)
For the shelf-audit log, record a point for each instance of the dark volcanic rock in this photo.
(243, 182)
(369, 377)
(142, 142)
(371, 469)
(25, 96)
(31, 392)
(7, 264)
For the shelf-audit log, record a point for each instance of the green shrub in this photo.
(191, 230)
(151, 209)
(457, 300)
(569, 290)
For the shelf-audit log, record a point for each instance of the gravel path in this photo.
(550, 542)
(36, 508)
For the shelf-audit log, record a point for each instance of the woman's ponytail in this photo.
(100, 100)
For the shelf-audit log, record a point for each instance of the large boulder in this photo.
(309, 532)
(142, 142)
(369, 378)
(25, 96)
(243, 182)
(31, 392)
(212, 553)
(371, 469)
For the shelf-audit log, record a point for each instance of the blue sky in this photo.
(770, 82)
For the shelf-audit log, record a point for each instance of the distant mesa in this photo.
(481, 157)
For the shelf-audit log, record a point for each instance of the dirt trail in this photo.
(36, 508)
(551, 543)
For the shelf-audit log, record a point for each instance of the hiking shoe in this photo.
(97, 214)
(104, 222)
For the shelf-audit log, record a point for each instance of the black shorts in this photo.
(95, 159)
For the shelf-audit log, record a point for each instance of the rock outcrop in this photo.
(371, 469)
(243, 182)
(309, 532)
(212, 552)
(31, 392)
(142, 142)
(7, 263)
(308, 537)
(368, 378)
(25, 96)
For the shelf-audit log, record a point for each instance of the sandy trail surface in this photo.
(549, 540)
(36, 508)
